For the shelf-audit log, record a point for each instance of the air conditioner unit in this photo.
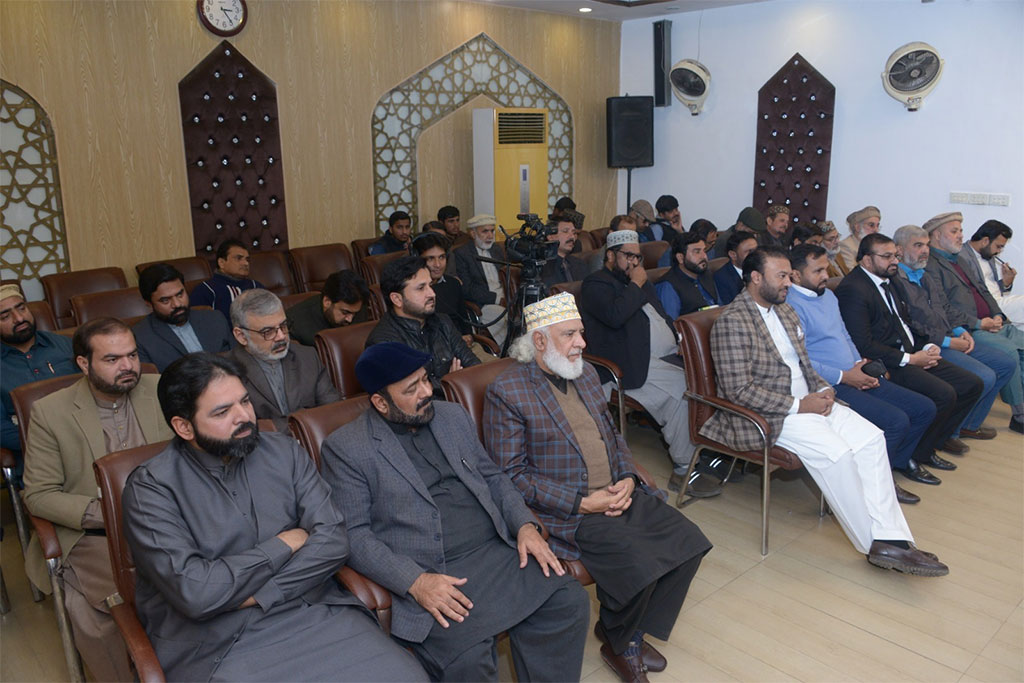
(510, 164)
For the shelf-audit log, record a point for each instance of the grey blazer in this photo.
(306, 384)
(160, 346)
(394, 527)
(957, 291)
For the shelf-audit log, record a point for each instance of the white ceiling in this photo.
(616, 10)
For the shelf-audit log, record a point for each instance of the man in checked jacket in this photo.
(547, 425)
(761, 363)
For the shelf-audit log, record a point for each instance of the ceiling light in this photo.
(585, 10)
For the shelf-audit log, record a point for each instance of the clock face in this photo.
(223, 17)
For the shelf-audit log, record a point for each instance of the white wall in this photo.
(968, 135)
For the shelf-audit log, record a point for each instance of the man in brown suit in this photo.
(761, 363)
(112, 408)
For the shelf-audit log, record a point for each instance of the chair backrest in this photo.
(271, 269)
(516, 273)
(360, 248)
(310, 426)
(600, 236)
(313, 265)
(653, 251)
(833, 282)
(378, 307)
(289, 300)
(60, 287)
(586, 240)
(126, 304)
(468, 386)
(716, 263)
(339, 349)
(573, 288)
(373, 265)
(655, 274)
(695, 329)
(43, 315)
(191, 267)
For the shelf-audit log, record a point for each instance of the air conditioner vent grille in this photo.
(521, 128)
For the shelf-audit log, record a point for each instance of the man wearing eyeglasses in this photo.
(280, 378)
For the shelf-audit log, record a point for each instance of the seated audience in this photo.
(434, 226)
(626, 324)
(431, 518)
(837, 266)
(729, 278)
(563, 205)
(576, 218)
(940, 323)
(750, 220)
(585, 488)
(344, 300)
(173, 328)
(761, 364)
(481, 282)
(433, 249)
(113, 407)
(986, 244)
(901, 414)
(642, 214)
(396, 237)
(805, 234)
(968, 294)
(688, 286)
(450, 217)
(707, 231)
(230, 279)
(563, 267)
(669, 219)
(281, 377)
(26, 355)
(413, 320)
(867, 221)
(776, 225)
(235, 580)
(874, 307)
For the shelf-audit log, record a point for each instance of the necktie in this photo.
(565, 270)
(908, 345)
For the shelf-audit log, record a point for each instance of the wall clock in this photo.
(223, 17)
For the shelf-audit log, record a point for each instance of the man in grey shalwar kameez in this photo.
(236, 541)
(434, 520)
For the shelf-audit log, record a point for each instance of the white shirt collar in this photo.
(810, 294)
(874, 278)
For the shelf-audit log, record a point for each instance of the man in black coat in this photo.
(563, 267)
(173, 328)
(344, 300)
(626, 324)
(876, 314)
(481, 282)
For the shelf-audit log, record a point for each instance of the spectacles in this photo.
(269, 333)
(634, 257)
(885, 257)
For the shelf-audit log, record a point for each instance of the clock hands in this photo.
(226, 14)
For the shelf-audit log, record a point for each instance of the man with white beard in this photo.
(546, 423)
(837, 266)
(481, 282)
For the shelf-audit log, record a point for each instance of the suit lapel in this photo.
(290, 369)
(254, 373)
(88, 419)
(542, 388)
(391, 449)
(148, 413)
(164, 331)
(760, 329)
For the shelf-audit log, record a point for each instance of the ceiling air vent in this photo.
(521, 128)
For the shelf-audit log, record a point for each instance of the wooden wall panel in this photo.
(107, 74)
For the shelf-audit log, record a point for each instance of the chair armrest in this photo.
(140, 649)
(487, 343)
(47, 535)
(733, 409)
(608, 365)
(371, 594)
(645, 476)
(7, 458)
(473, 308)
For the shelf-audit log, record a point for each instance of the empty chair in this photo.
(60, 287)
(126, 304)
(192, 268)
(271, 269)
(313, 265)
(360, 249)
(339, 349)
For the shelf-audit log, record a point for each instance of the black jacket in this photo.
(872, 327)
(159, 345)
(617, 328)
(386, 245)
(306, 318)
(438, 337)
(471, 272)
(690, 298)
(448, 292)
(552, 273)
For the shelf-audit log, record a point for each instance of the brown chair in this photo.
(704, 401)
(655, 274)
(191, 267)
(571, 287)
(833, 282)
(716, 263)
(289, 300)
(313, 265)
(43, 315)
(60, 287)
(372, 266)
(361, 248)
(271, 269)
(378, 307)
(586, 240)
(600, 236)
(339, 349)
(7, 465)
(125, 304)
(652, 252)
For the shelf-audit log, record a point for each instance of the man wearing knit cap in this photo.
(627, 324)
(750, 220)
(431, 518)
(481, 282)
(585, 487)
(863, 222)
(776, 224)
(967, 293)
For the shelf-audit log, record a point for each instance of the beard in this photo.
(483, 243)
(22, 332)
(420, 312)
(123, 383)
(399, 416)
(831, 251)
(278, 351)
(986, 252)
(177, 317)
(561, 365)
(773, 295)
(697, 268)
(235, 447)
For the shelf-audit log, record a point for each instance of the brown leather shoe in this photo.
(908, 561)
(629, 669)
(653, 660)
(981, 433)
(906, 497)
(954, 446)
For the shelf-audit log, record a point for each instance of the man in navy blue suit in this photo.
(729, 278)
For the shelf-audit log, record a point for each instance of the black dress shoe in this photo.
(907, 560)
(954, 446)
(1017, 425)
(653, 660)
(941, 463)
(906, 497)
(914, 472)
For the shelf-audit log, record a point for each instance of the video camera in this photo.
(530, 246)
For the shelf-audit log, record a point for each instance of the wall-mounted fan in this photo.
(690, 83)
(911, 73)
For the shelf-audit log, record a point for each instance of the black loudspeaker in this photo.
(630, 131)
(662, 63)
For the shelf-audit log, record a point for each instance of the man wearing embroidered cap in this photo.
(627, 324)
(585, 487)
(864, 222)
(481, 282)
(431, 518)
